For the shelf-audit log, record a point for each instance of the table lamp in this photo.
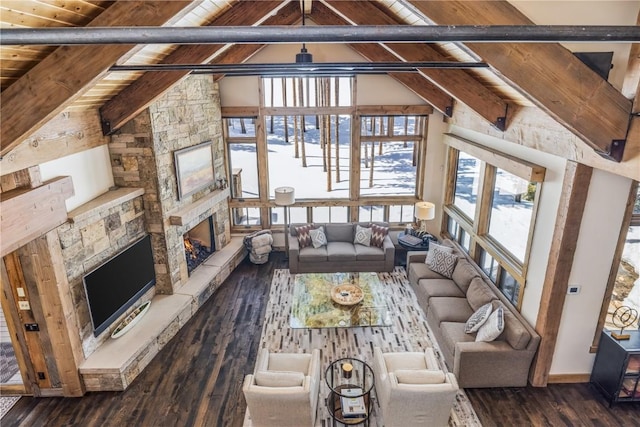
(425, 211)
(285, 196)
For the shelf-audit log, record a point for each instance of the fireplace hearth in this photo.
(199, 244)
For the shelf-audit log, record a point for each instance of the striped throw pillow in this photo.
(378, 233)
(304, 237)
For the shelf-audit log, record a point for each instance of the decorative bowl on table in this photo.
(347, 294)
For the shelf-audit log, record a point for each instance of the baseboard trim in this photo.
(568, 378)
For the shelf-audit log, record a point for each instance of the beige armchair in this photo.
(283, 390)
(412, 390)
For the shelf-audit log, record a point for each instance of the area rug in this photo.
(408, 332)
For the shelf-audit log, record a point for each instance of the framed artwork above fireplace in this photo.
(194, 168)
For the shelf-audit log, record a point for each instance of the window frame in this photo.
(477, 228)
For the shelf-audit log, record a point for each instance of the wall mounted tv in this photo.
(117, 284)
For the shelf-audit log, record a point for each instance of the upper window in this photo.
(511, 212)
(307, 91)
(467, 182)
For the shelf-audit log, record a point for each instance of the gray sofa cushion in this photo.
(453, 332)
(339, 232)
(514, 332)
(450, 309)
(479, 293)
(311, 254)
(463, 274)
(369, 253)
(419, 270)
(341, 251)
(440, 288)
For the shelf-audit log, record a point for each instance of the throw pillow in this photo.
(318, 238)
(433, 246)
(363, 236)
(443, 262)
(478, 318)
(419, 376)
(279, 378)
(304, 238)
(378, 233)
(493, 327)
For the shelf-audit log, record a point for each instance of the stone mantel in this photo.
(185, 214)
(105, 201)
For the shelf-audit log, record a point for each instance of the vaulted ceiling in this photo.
(39, 82)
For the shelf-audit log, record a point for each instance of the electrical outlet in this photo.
(21, 292)
(24, 305)
(32, 327)
(573, 289)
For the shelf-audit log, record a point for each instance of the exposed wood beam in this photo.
(67, 133)
(69, 71)
(417, 83)
(547, 73)
(137, 96)
(29, 213)
(575, 188)
(457, 83)
(632, 77)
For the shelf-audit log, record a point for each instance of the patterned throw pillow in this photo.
(478, 318)
(363, 236)
(378, 233)
(304, 238)
(318, 238)
(433, 246)
(443, 262)
(493, 327)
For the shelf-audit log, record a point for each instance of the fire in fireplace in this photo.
(199, 244)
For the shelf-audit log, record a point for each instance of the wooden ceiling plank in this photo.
(417, 83)
(68, 72)
(135, 98)
(547, 73)
(457, 83)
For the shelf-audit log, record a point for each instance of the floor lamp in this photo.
(425, 211)
(285, 196)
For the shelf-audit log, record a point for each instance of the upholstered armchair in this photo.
(412, 390)
(283, 390)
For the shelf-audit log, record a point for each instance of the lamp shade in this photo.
(285, 196)
(425, 210)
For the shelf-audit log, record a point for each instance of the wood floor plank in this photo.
(196, 380)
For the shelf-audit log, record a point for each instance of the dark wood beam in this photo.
(457, 83)
(575, 188)
(69, 71)
(137, 96)
(547, 73)
(417, 83)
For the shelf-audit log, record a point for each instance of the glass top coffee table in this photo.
(330, 300)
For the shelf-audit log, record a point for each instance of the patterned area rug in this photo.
(408, 332)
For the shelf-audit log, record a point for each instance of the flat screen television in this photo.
(117, 284)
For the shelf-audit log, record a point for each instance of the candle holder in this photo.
(347, 370)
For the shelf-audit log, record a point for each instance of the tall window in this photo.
(302, 136)
(490, 212)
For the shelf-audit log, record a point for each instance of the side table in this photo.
(422, 245)
(350, 383)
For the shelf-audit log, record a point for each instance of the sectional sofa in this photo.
(450, 302)
(340, 252)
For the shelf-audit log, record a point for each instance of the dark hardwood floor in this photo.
(196, 380)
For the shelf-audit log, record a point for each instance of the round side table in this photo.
(350, 383)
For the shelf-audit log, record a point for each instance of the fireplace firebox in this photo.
(199, 243)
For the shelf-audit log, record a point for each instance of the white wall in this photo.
(90, 172)
(371, 89)
(596, 246)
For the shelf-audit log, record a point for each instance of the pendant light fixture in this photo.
(303, 57)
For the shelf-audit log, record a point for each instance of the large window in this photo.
(346, 163)
(491, 211)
